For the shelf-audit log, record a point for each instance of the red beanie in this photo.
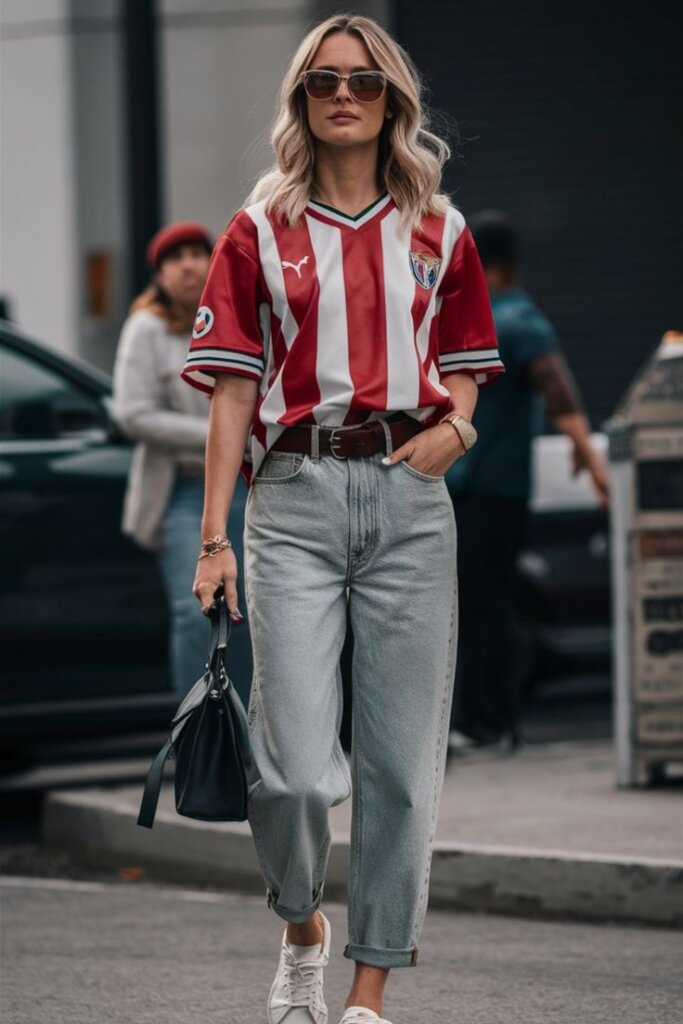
(175, 234)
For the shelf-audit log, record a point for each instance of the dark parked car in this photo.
(83, 615)
(83, 618)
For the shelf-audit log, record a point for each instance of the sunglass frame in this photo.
(338, 79)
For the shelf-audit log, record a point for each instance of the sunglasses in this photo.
(364, 86)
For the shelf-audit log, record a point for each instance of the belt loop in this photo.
(387, 434)
(315, 443)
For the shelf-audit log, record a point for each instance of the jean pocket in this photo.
(280, 467)
(419, 475)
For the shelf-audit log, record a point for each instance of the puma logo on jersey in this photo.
(295, 266)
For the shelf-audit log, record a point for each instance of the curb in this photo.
(507, 880)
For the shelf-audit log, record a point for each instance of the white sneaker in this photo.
(361, 1015)
(296, 995)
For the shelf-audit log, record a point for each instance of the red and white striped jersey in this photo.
(342, 319)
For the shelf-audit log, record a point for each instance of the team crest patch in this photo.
(425, 269)
(203, 322)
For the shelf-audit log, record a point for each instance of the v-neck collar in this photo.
(321, 211)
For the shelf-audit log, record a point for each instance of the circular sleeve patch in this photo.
(203, 322)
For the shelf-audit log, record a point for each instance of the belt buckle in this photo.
(334, 440)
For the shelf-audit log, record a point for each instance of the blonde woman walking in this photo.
(345, 315)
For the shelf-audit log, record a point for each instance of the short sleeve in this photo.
(526, 334)
(466, 332)
(227, 335)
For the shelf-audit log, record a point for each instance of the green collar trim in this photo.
(340, 213)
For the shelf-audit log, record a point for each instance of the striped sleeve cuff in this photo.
(483, 364)
(202, 364)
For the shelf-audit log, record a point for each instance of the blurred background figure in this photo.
(490, 488)
(165, 492)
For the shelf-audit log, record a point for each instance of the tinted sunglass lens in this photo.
(366, 88)
(321, 85)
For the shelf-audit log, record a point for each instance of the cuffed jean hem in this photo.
(375, 956)
(295, 916)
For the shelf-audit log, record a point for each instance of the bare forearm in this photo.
(551, 375)
(232, 409)
(464, 392)
(576, 426)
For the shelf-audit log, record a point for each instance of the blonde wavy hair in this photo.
(410, 157)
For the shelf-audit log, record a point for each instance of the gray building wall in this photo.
(61, 167)
(37, 170)
(64, 194)
(221, 67)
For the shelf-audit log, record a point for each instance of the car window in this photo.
(38, 403)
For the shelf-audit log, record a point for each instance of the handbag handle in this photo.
(221, 628)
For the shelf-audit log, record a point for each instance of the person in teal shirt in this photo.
(491, 485)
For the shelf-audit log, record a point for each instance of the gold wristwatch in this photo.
(463, 428)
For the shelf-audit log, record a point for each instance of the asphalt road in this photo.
(127, 953)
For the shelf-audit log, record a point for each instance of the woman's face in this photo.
(183, 272)
(362, 123)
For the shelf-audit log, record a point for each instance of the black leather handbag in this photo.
(209, 742)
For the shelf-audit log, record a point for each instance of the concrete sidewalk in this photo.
(543, 832)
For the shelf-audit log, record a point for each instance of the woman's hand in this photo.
(214, 572)
(433, 451)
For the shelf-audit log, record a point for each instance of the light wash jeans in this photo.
(325, 539)
(189, 628)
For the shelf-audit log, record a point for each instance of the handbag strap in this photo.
(220, 634)
(150, 795)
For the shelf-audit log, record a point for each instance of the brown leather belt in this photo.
(349, 442)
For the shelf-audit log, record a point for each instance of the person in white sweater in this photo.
(169, 422)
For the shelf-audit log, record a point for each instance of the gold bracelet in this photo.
(214, 545)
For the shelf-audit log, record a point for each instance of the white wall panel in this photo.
(222, 66)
